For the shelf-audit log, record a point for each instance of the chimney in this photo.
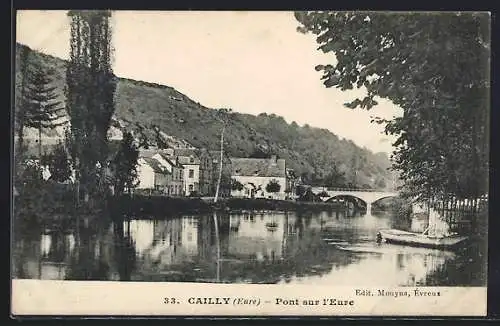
(274, 159)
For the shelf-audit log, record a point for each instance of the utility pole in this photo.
(220, 164)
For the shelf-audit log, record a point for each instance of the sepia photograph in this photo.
(250, 162)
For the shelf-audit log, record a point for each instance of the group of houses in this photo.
(190, 171)
(195, 172)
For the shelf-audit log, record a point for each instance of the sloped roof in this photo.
(184, 155)
(170, 159)
(156, 165)
(185, 152)
(147, 153)
(185, 160)
(258, 167)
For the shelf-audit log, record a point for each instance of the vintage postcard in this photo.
(202, 163)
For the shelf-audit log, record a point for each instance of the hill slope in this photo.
(150, 110)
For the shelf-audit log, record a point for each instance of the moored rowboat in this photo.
(419, 239)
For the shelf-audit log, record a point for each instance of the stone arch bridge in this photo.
(366, 196)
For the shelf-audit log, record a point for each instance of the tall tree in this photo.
(42, 110)
(435, 67)
(20, 106)
(90, 96)
(59, 164)
(124, 165)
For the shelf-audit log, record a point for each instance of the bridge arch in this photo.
(368, 196)
(347, 197)
(385, 197)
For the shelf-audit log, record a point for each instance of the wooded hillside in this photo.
(151, 110)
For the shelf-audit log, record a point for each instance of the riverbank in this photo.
(165, 206)
(55, 207)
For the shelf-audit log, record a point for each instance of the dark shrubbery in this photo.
(156, 205)
(194, 194)
(43, 201)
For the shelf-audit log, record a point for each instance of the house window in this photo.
(191, 173)
(191, 187)
(191, 160)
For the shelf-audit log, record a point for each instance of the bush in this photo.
(401, 207)
(194, 194)
(236, 185)
(273, 186)
(300, 190)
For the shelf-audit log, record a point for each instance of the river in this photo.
(328, 248)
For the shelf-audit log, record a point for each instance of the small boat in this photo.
(419, 239)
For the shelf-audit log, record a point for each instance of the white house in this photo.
(255, 174)
(151, 173)
(145, 174)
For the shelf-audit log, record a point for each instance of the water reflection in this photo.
(331, 248)
(259, 237)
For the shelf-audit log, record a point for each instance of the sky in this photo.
(250, 62)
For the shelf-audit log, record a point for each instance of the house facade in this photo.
(255, 174)
(202, 158)
(169, 175)
(175, 182)
(206, 174)
(191, 170)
